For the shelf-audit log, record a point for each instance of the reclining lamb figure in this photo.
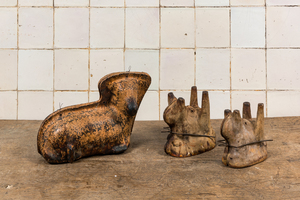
(100, 127)
(190, 130)
(244, 137)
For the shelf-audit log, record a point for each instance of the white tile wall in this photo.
(8, 2)
(175, 31)
(213, 69)
(71, 27)
(248, 69)
(71, 72)
(282, 31)
(9, 69)
(107, 27)
(103, 62)
(212, 27)
(142, 28)
(54, 52)
(35, 70)
(248, 27)
(8, 27)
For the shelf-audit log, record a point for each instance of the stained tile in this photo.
(35, 27)
(148, 61)
(212, 73)
(8, 27)
(8, 105)
(283, 68)
(176, 69)
(248, 69)
(142, 27)
(64, 99)
(34, 105)
(177, 27)
(71, 69)
(212, 27)
(248, 27)
(283, 27)
(104, 62)
(71, 27)
(149, 108)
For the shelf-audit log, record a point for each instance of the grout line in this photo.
(89, 54)
(53, 49)
(116, 48)
(18, 53)
(266, 60)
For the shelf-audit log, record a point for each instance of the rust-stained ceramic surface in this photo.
(191, 132)
(244, 137)
(100, 127)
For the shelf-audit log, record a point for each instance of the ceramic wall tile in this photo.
(9, 69)
(94, 96)
(8, 27)
(71, 27)
(219, 101)
(142, 28)
(254, 97)
(285, 2)
(35, 70)
(283, 103)
(212, 2)
(212, 27)
(144, 61)
(35, 2)
(149, 108)
(177, 3)
(107, 27)
(107, 3)
(34, 105)
(71, 69)
(213, 69)
(164, 99)
(8, 2)
(8, 105)
(35, 27)
(176, 69)
(177, 28)
(283, 68)
(71, 2)
(64, 99)
(248, 27)
(104, 62)
(144, 3)
(283, 28)
(247, 2)
(248, 69)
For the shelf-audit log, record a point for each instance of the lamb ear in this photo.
(246, 110)
(259, 128)
(171, 98)
(194, 98)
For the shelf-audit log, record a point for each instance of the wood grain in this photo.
(145, 171)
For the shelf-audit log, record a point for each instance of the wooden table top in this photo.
(144, 171)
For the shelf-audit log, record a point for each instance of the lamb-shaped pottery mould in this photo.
(190, 130)
(100, 127)
(244, 137)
